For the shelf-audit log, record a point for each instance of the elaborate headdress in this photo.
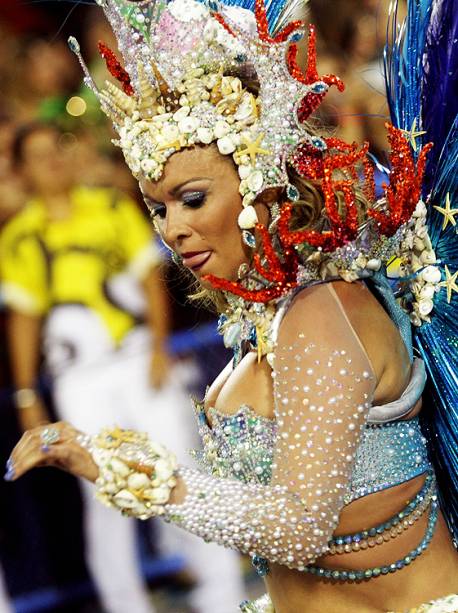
(182, 86)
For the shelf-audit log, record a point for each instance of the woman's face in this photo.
(195, 206)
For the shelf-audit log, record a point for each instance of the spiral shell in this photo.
(121, 100)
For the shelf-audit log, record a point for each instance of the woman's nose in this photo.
(175, 227)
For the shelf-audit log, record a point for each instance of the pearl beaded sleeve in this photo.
(323, 386)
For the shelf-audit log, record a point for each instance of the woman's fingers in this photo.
(33, 449)
(51, 445)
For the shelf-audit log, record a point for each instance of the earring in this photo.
(176, 258)
(243, 270)
(275, 216)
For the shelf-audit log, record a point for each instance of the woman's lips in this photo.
(195, 259)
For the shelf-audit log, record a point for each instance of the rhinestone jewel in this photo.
(249, 239)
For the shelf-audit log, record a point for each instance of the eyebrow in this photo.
(177, 187)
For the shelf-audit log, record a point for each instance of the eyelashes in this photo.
(193, 200)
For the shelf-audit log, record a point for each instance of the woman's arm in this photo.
(158, 320)
(323, 387)
(24, 338)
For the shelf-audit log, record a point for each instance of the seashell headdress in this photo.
(181, 86)
(183, 83)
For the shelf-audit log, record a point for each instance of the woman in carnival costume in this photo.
(314, 460)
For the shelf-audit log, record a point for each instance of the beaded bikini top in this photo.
(241, 445)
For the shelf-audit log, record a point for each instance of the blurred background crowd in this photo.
(94, 323)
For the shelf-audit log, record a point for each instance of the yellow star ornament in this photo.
(413, 134)
(447, 212)
(449, 283)
(252, 148)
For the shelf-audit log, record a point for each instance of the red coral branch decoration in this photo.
(282, 275)
(220, 19)
(260, 14)
(404, 189)
(312, 100)
(115, 68)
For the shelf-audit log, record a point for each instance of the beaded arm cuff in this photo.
(322, 397)
(136, 475)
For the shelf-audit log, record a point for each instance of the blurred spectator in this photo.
(81, 279)
(12, 194)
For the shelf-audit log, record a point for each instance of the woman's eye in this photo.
(194, 199)
(157, 211)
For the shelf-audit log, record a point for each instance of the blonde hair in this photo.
(308, 213)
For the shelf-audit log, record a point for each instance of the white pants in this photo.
(117, 392)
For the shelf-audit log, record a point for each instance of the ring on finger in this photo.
(49, 436)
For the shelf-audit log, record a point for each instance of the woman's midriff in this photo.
(433, 575)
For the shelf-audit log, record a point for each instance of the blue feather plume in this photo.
(421, 67)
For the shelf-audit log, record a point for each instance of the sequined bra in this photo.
(241, 446)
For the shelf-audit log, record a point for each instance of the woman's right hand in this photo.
(65, 452)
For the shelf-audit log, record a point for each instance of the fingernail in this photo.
(9, 463)
(9, 475)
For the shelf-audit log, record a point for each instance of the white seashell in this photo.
(421, 231)
(416, 263)
(205, 135)
(270, 357)
(420, 209)
(425, 306)
(418, 244)
(244, 171)
(225, 145)
(125, 499)
(431, 274)
(243, 187)
(374, 264)
(427, 291)
(248, 199)
(148, 165)
(221, 129)
(181, 113)
(255, 181)
(415, 319)
(136, 481)
(170, 132)
(135, 152)
(247, 218)
(428, 257)
(158, 495)
(232, 335)
(163, 470)
(110, 488)
(118, 467)
(427, 241)
(245, 108)
(226, 86)
(188, 125)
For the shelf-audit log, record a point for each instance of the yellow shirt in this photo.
(45, 263)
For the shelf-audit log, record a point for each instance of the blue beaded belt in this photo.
(426, 497)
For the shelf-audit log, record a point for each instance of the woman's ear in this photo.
(270, 195)
(264, 203)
